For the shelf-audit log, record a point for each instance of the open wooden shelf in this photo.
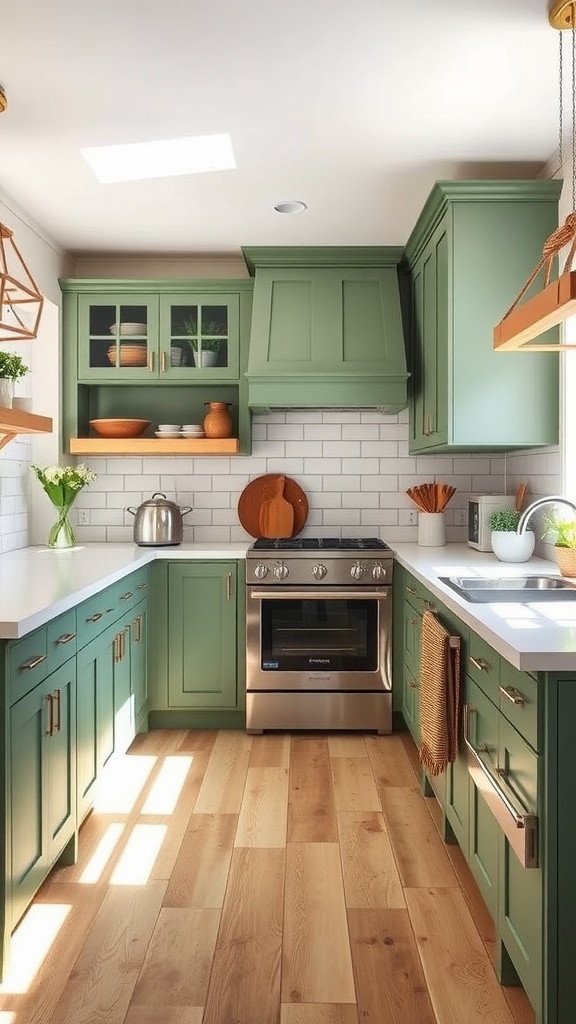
(14, 421)
(154, 446)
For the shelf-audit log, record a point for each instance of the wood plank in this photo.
(478, 909)
(200, 873)
(420, 853)
(371, 877)
(354, 786)
(316, 963)
(520, 1007)
(245, 981)
(390, 762)
(158, 741)
(459, 975)
(195, 740)
(177, 966)
(270, 751)
(346, 745)
(262, 820)
(318, 1013)
(311, 810)
(177, 822)
(170, 1015)
(154, 446)
(536, 315)
(105, 973)
(223, 785)
(387, 970)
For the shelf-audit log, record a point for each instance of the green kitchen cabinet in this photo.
(182, 344)
(95, 715)
(471, 250)
(42, 783)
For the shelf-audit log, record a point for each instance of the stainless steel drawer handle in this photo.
(480, 664)
(513, 695)
(95, 617)
(33, 662)
(318, 595)
(520, 828)
(66, 638)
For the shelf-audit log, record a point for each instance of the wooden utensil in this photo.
(520, 495)
(262, 489)
(276, 517)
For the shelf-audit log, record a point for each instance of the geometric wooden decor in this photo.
(20, 301)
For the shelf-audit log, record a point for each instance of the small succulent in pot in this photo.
(504, 520)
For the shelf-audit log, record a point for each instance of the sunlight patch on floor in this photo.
(139, 854)
(122, 783)
(167, 787)
(30, 944)
(99, 859)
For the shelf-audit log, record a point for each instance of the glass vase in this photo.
(62, 535)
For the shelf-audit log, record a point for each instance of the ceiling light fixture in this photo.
(20, 300)
(290, 206)
(165, 158)
(556, 302)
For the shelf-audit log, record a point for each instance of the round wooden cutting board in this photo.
(264, 488)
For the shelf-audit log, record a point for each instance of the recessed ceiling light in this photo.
(290, 206)
(165, 158)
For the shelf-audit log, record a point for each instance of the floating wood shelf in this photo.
(154, 446)
(14, 421)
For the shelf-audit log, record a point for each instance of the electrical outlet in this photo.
(412, 517)
(83, 517)
(460, 517)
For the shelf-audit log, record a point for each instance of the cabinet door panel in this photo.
(484, 844)
(60, 748)
(94, 716)
(203, 635)
(109, 351)
(199, 336)
(29, 720)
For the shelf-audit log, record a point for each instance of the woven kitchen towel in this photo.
(439, 695)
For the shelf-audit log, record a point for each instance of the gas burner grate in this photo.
(320, 544)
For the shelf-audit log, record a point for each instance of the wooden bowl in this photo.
(119, 428)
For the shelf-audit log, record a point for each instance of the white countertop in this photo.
(533, 636)
(38, 583)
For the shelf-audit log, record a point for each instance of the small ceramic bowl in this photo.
(169, 428)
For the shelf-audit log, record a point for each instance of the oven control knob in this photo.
(281, 571)
(378, 572)
(260, 571)
(356, 571)
(319, 571)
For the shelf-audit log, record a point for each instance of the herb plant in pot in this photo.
(508, 545)
(12, 367)
(564, 543)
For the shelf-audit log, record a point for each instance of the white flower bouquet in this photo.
(62, 484)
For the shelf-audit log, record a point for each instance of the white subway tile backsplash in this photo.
(379, 483)
(304, 416)
(367, 499)
(360, 431)
(342, 483)
(210, 499)
(341, 449)
(308, 449)
(323, 432)
(123, 466)
(366, 467)
(286, 432)
(322, 466)
(341, 416)
(287, 467)
(329, 499)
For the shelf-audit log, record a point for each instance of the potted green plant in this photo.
(507, 545)
(12, 367)
(210, 342)
(564, 531)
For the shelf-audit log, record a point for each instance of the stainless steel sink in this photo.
(511, 588)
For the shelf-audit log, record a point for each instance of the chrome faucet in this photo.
(552, 499)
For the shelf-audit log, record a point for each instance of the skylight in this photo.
(165, 158)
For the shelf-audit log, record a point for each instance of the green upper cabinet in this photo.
(167, 336)
(472, 249)
(326, 328)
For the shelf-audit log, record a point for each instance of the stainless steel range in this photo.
(318, 641)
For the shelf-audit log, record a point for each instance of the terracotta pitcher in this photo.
(218, 421)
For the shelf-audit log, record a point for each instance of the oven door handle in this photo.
(318, 595)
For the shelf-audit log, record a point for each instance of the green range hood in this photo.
(326, 329)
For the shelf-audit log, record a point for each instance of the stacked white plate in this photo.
(192, 430)
(127, 329)
(168, 430)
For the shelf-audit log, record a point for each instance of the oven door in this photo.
(318, 639)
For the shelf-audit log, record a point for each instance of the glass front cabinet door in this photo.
(139, 337)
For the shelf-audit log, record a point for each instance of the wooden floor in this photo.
(231, 879)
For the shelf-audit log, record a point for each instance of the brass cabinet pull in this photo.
(228, 585)
(429, 604)
(141, 586)
(50, 729)
(33, 662)
(414, 622)
(413, 685)
(162, 362)
(513, 695)
(95, 617)
(127, 595)
(138, 624)
(66, 638)
(117, 648)
(151, 362)
(410, 590)
(480, 664)
(57, 699)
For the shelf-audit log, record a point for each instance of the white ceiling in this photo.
(354, 107)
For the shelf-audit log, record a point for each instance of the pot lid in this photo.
(159, 499)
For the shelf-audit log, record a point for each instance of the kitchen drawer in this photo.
(483, 719)
(95, 614)
(131, 590)
(483, 666)
(519, 702)
(61, 639)
(28, 663)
